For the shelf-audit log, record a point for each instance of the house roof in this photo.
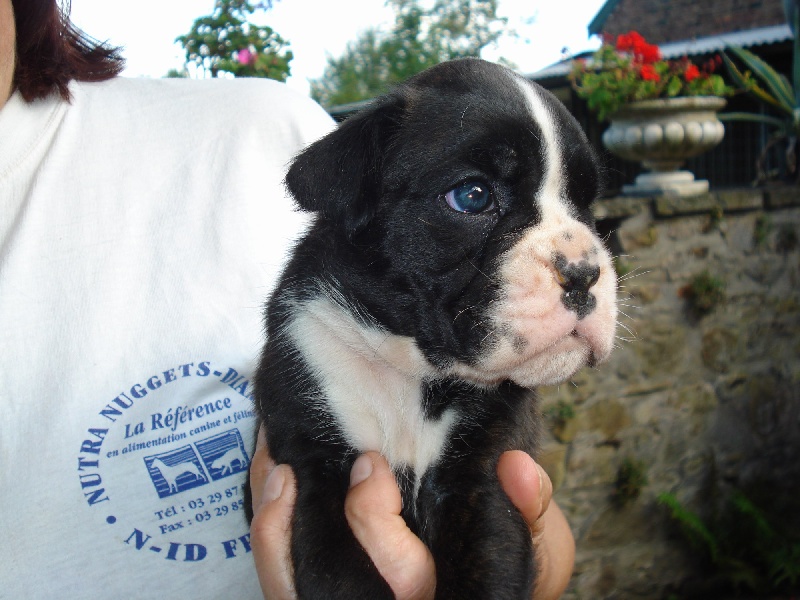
(596, 26)
(665, 21)
(696, 47)
(717, 43)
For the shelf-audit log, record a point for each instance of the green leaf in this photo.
(778, 86)
(674, 86)
(692, 526)
(753, 118)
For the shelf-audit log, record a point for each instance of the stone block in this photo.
(671, 206)
(608, 417)
(553, 459)
(620, 207)
(783, 197)
(739, 200)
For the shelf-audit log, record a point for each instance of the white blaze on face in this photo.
(536, 339)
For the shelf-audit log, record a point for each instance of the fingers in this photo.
(274, 491)
(531, 491)
(372, 509)
(260, 468)
(526, 484)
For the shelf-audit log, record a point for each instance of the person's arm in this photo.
(373, 507)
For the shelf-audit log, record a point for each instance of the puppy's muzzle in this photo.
(577, 279)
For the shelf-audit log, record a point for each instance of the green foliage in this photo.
(177, 74)
(560, 412)
(419, 38)
(692, 526)
(715, 219)
(768, 86)
(704, 293)
(740, 544)
(761, 231)
(774, 91)
(631, 70)
(225, 42)
(631, 479)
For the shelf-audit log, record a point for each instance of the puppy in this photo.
(453, 267)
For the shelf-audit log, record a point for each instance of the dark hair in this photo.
(51, 51)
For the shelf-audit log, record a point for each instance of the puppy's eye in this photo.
(470, 197)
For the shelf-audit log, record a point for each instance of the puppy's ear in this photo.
(339, 176)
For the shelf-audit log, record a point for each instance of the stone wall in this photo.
(702, 401)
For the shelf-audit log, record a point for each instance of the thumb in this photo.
(372, 508)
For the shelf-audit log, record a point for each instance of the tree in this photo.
(226, 42)
(418, 39)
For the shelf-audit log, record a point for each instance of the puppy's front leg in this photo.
(479, 540)
(329, 563)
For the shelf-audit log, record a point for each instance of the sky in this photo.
(317, 29)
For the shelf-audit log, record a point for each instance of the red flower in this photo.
(648, 73)
(648, 54)
(691, 73)
(635, 44)
(629, 42)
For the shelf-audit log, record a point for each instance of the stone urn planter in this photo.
(662, 134)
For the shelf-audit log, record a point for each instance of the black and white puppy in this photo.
(453, 267)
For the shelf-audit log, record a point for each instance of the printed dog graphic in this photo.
(225, 462)
(453, 266)
(171, 473)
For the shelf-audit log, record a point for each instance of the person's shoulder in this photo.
(213, 102)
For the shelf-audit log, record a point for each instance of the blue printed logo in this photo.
(197, 464)
(223, 454)
(195, 446)
(175, 471)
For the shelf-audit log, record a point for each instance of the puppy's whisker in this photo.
(636, 306)
(429, 224)
(462, 311)
(474, 266)
(628, 329)
(488, 335)
(633, 274)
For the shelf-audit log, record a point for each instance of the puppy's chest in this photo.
(373, 385)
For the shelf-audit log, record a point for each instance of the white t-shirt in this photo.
(141, 228)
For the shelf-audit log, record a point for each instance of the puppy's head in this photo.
(461, 202)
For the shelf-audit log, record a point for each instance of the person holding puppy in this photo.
(143, 223)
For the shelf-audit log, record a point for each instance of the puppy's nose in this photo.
(576, 279)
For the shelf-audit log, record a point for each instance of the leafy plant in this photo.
(715, 219)
(761, 231)
(560, 417)
(631, 479)
(560, 412)
(423, 34)
(740, 544)
(773, 90)
(704, 293)
(629, 69)
(225, 42)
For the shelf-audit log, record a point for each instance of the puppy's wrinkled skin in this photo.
(453, 266)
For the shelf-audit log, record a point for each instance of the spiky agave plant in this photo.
(773, 90)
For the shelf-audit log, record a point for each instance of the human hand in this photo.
(373, 508)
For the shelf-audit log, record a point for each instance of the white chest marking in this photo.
(372, 382)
